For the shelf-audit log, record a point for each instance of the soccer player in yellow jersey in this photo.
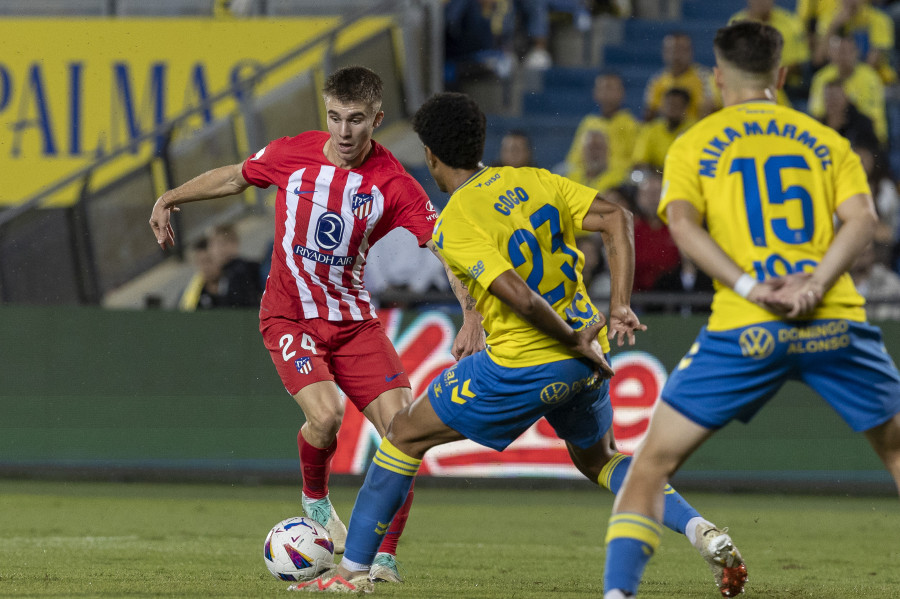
(768, 182)
(509, 233)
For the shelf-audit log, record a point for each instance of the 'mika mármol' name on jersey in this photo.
(330, 259)
(717, 145)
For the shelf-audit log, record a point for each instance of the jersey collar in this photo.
(470, 179)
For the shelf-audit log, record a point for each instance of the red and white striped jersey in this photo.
(326, 218)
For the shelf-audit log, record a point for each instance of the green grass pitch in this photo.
(154, 540)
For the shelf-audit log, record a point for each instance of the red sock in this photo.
(315, 466)
(389, 543)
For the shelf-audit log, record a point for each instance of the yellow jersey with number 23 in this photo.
(767, 179)
(523, 219)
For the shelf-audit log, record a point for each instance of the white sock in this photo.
(353, 566)
(690, 531)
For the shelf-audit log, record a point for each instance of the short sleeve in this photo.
(468, 249)
(680, 180)
(410, 208)
(261, 168)
(849, 177)
(577, 197)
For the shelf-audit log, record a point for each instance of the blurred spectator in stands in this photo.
(810, 12)
(680, 71)
(871, 29)
(614, 119)
(861, 83)
(655, 137)
(239, 283)
(477, 40)
(654, 250)
(535, 17)
(845, 118)
(887, 202)
(878, 284)
(515, 149)
(684, 278)
(202, 291)
(594, 170)
(795, 53)
(235, 8)
(397, 277)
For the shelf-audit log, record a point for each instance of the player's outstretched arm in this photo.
(217, 183)
(470, 338)
(616, 227)
(512, 290)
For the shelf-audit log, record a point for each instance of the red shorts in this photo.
(356, 355)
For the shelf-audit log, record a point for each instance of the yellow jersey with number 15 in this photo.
(524, 219)
(767, 180)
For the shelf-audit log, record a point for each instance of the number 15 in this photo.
(776, 195)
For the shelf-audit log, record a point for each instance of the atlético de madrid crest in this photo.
(362, 204)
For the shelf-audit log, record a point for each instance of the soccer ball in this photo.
(298, 549)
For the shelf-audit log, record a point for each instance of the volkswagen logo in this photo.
(757, 343)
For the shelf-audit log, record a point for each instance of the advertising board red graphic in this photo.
(424, 347)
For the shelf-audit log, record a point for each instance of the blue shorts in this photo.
(732, 374)
(492, 404)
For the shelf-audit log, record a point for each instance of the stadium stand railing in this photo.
(101, 241)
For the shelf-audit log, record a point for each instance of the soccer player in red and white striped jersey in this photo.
(337, 194)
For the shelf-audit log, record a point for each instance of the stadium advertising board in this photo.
(76, 89)
(82, 388)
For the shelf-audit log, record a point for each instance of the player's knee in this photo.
(590, 461)
(325, 422)
(405, 436)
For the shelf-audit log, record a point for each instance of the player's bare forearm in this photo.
(470, 338)
(466, 301)
(512, 290)
(858, 221)
(217, 183)
(802, 293)
(616, 227)
(694, 240)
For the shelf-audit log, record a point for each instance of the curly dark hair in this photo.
(751, 47)
(354, 84)
(453, 127)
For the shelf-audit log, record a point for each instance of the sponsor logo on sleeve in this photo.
(476, 270)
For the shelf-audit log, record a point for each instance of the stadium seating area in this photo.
(552, 113)
(546, 104)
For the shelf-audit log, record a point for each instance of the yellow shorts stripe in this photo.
(606, 473)
(634, 526)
